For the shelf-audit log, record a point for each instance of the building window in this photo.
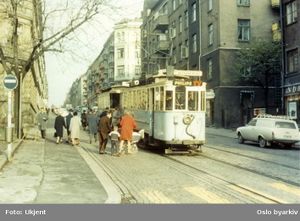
(121, 72)
(210, 34)
(194, 43)
(210, 5)
(194, 12)
(174, 5)
(174, 56)
(120, 53)
(180, 51)
(137, 70)
(291, 12)
(243, 30)
(180, 24)
(186, 19)
(243, 2)
(209, 69)
(292, 61)
(173, 30)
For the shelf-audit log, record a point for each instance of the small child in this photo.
(114, 140)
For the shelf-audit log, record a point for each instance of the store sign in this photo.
(292, 89)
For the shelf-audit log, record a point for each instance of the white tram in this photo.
(171, 110)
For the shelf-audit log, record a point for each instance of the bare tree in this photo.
(53, 41)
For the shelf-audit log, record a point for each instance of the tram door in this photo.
(114, 100)
(151, 110)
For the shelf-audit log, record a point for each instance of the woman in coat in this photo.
(75, 128)
(127, 125)
(59, 125)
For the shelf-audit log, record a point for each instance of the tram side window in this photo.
(169, 100)
(180, 98)
(161, 106)
(203, 101)
(193, 100)
(157, 98)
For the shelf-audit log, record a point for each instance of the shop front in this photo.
(292, 102)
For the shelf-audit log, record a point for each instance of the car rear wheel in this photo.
(240, 138)
(262, 142)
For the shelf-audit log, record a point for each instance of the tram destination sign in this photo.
(182, 82)
(10, 82)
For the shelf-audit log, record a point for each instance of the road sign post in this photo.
(10, 83)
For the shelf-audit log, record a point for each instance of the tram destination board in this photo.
(10, 82)
(182, 82)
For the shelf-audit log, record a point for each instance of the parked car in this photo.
(268, 129)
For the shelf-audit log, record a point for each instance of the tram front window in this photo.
(193, 100)
(169, 100)
(180, 98)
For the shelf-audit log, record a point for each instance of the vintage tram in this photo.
(170, 110)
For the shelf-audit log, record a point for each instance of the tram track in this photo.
(252, 157)
(126, 195)
(242, 188)
(262, 173)
(130, 193)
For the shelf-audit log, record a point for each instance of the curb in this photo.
(113, 192)
(3, 157)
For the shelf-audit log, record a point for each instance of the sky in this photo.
(80, 49)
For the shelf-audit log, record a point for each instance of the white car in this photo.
(268, 129)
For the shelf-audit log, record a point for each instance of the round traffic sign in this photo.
(10, 82)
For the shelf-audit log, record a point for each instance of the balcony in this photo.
(162, 47)
(161, 22)
(275, 4)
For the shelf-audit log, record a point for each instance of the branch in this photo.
(3, 61)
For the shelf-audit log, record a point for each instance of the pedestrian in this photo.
(84, 120)
(114, 140)
(42, 119)
(68, 121)
(59, 126)
(127, 125)
(104, 112)
(93, 119)
(75, 129)
(104, 128)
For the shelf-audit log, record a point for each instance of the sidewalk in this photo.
(42, 171)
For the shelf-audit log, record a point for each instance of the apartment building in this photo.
(226, 26)
(119, 61)
(206, 35)
(127, 50)
(33, 91)
(155, 44)
(77, 95)
(291, 59)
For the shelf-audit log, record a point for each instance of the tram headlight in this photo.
(187, 119)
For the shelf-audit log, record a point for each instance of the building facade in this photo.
(291, 59)
(226, 27)
(33, 86)
(127, 50)
(206, 35)
(77, 95)
(118, 61)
